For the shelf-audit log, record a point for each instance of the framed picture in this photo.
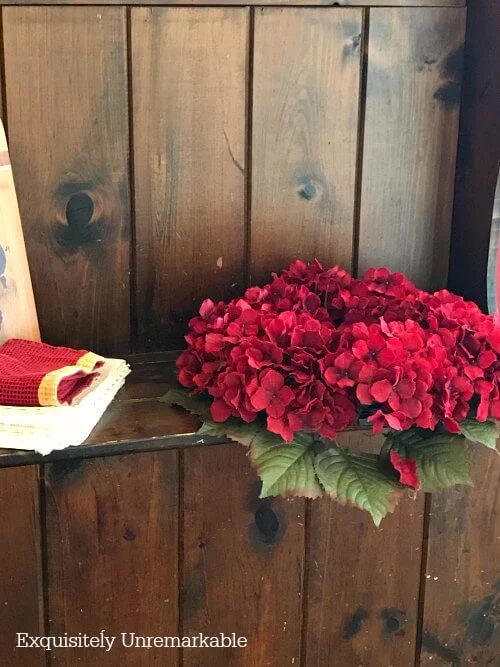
(493, 279)
(18, 318)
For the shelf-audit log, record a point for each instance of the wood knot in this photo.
(354, 623)
(309, 188)
(394, 621)
(268, 527)
(129, 535)
(79, 210)
(79, 220)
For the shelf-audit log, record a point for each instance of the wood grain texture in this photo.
(66, 89)
(112, 554)
(305, 121)
(462, 582)
(18, 318)
(478, 152)
(243, 562)
(189, 82)
(21, 606)
(319, 3)
(411, 126)
(363, 582)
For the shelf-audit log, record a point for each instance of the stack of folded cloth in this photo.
(52, 397)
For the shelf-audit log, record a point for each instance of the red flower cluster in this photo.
(316, 346)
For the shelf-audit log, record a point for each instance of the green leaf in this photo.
(357, 479)
(441, 458)
(285, 469)
(486, 433)
(196, 404)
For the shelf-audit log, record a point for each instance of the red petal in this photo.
(483, 410)
(363, 394)
(451, 425)
(386, 357)
(378, 421)
(360, 349)
(395, 420)
(278, 426)
(271, 380)
(330, 376)
(376, 342)
(486, 358)
(407, 469)
(381, 390)
(412, 341)
(406, 388)
(260, 399)
(473, 372)
(411, 407)
(207, 308)
(220, 410)
(344, 361)
(286, 395)
(275, 408)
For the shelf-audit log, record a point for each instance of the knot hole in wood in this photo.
(80, 217)
(268, 526)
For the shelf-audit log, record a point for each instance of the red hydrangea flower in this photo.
(272, 395)
(313, 347)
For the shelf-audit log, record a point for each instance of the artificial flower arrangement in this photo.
(288, 366)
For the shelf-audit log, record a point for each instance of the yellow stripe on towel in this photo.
(89, 360)
(47, 390)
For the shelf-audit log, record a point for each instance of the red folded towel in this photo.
(37, 374)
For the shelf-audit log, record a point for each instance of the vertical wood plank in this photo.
(410, 140)
(462, 585)
(66, 83)
(305, 123)
(363, 582)
(113, 554)
(189, 90)
(243, 562)
(478, 152)
(21, 596)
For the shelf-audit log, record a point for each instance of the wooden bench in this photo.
(149, 528)
(247, 131)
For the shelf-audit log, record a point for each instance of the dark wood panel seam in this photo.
(131, 172)
(44, 602)
(3, 87)
(423, 580)
(363, 78)
(180, 551)
(305, 584)
(248, 147)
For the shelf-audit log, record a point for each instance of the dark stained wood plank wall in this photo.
(21, 595)
(191, 93)
(243, 562)
(66, 89)
(306, 81)
(410, 140)
(462, 578)
(189, 89)
(112, 560)
(362, 582)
